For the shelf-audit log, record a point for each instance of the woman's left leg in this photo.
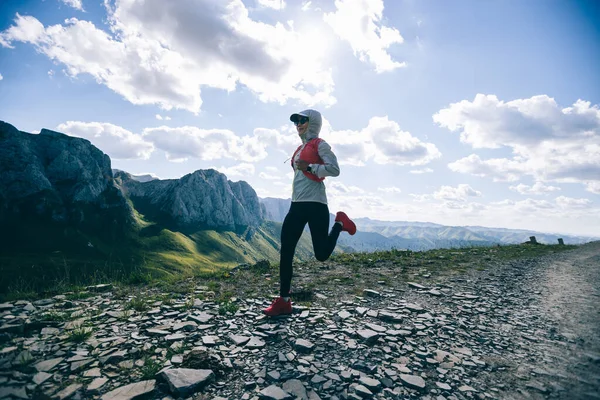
(323, 241)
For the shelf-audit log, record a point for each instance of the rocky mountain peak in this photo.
(203, 199)
(55, 178)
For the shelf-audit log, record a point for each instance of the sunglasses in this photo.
(301, 120)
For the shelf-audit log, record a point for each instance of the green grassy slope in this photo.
(49, 258)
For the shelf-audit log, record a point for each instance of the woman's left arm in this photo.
(331, 167)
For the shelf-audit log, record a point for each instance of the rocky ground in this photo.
(521, 329)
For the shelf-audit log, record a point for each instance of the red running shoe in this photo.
(279, 307)
(347, 224)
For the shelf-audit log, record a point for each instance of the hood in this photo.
(314, 123)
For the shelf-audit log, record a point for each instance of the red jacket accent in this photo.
(310, 153)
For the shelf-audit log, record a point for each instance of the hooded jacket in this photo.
(303, 188)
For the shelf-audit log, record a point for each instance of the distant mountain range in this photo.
(66, 214)
(375, 235)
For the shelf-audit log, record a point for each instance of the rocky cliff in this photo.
(57, 179)
(204, 199)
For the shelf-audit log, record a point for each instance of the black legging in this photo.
(317, 216)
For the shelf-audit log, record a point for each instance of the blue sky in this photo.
(460, 113)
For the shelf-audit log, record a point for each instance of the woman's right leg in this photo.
(292, 228)
(324, 242)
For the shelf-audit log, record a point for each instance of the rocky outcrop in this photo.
(52, 177)
(204, 199)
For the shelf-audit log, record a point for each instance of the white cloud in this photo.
(382, 141)
(240, 170)
(287, 142)
(359, 22)
(163, 53)
(160, 117)
(538, 188)
(117, 142)
(306, 5)
(421, 171)
(420, 198)
(205, 144)
(593, 187)
(26, 29)
(337, 187)
(74, 3)
(391, 189)
(274, 4)
(570, 202)
(1, 77)
(499, 169)
(548, 143)
(459, 193)
(269, 177)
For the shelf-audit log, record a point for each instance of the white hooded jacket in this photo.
(303, 188)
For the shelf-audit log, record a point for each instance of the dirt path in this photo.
(569, 299)
(552, 306)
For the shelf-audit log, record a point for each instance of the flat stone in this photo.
(201, 318)
(77, 365)
(210, 340)
(537, 386)
(113, 357)
(372, 384)
(239, 340)
(415, 285)
(41, 377)
(92, 373)
(295, 388)
(255, 343)
(11, 392)
(48, 331)
(367, 335)
(371, 293)
(157, 332)
(274, 392)
(466, 388)
(175, 337)
(377, 328)
(185, 381)
(96, 384)
(363, 392)
(303, 345)
(48, 365)
(8, 350)
(187, 326)
(68, 391)
(131, 391)
(412, 381)
(462, 350)
(413, 307)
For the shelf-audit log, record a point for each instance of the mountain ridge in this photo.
(411, 235)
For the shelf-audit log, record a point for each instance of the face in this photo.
(301, 125)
